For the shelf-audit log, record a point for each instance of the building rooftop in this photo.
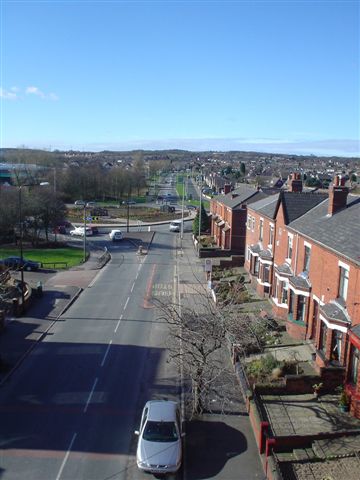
(339, 232)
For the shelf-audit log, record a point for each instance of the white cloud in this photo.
(39, 93)
(8, 95)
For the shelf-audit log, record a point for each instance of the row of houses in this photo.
(302, 251)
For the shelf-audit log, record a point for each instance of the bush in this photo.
(262, 367)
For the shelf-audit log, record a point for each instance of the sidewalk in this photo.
(219, 445)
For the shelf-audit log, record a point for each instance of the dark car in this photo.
(16, 263)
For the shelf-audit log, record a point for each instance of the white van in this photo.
(175, 226)
(115, 235)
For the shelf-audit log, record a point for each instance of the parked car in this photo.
(79, 232)
(159, 448)
(191, 207)
(95, 230)
(115, 235)
(79, 203)
(18, 263)
(129, 202)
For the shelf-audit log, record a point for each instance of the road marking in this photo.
(149, 228)
(118, 323)
(66, 456)
(149, 286)
(90, 395)
(132, 288)
(127, 301)
(106, 354)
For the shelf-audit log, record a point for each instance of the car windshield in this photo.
(160, 432)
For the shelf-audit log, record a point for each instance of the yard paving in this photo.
(290, 415)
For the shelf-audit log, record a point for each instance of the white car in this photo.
(175, 226)
(159, 449)
(115, 235)
(79, 232)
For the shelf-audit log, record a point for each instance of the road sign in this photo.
(89, 219)
(208, 265)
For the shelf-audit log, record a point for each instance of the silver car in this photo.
(159, 449)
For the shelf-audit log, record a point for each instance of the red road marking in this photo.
(147, 303)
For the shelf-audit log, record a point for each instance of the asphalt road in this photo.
(71, 409)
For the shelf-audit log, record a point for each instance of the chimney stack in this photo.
(227, 188)
(295, 184)
(337, 195)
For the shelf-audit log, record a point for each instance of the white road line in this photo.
(149, 228)
(106, 354)
(90, 395)
(118, 323)
(127, 301)
(66, 456)
(132, 288)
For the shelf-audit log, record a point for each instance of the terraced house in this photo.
(303, 251)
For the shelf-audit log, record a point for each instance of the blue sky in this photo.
(231, 75)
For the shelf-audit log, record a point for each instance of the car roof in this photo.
(161, 410)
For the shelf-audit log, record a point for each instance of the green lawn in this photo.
(71, 256)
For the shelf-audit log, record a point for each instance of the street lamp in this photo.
(84, 255)
(182, 211)
(21, 251)
(200, 205)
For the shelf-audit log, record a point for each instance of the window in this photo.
(271, 235)
(248, 224)
(307, 253)
(289, 247)
(336, 345)
(256, 266)
(266, 273)
(301, 308)
(284, 293)
(291, 302)
(354, 365)
(248, 254)
(261, 229)
(343, 283)
(323, 333)
(253, 224)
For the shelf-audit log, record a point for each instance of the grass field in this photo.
(71, 256)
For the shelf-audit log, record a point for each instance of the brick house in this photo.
(228, 216)
(313, 273)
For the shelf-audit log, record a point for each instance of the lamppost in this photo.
(21, 251)
(200, 204)
(84, 256)
(182, 211)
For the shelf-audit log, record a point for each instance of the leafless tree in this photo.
(200, 338)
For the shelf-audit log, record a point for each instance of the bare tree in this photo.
(200, 338)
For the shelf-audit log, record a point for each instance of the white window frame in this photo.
(290, 246)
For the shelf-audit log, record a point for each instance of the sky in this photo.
(270, 76)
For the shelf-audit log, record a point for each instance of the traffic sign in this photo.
(208, 265)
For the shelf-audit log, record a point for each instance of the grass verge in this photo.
(71, 256)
